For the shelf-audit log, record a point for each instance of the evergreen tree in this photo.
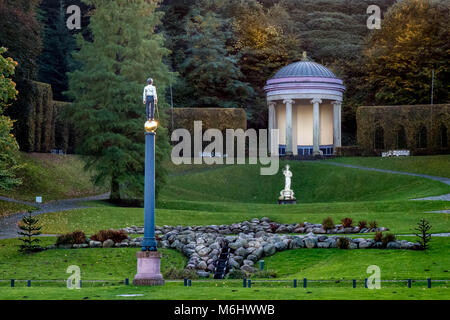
(209, 70)
(413, 41)
(58, 44)
(423, 228)
(8, 145)
(107, 93)
(30, 229)
(20, 34)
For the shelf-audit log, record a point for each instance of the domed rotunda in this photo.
(304, 101)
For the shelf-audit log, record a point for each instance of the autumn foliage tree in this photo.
(400, 57)
(8, 145)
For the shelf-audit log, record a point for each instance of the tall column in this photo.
(336, 124)
(289, 146)
(316, 126)
(149, 259)
(271, 123)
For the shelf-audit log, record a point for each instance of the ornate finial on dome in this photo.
(305, 56)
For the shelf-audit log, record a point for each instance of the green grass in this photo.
(53, 177)
(226, 291)
(312, 182)
(399, 216)
(431, 165)
(352, 264)
(95, 264)
(7, 208)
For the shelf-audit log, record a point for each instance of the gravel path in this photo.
(8, 225)
(445, 197)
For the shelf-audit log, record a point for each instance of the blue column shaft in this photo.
(149, 242)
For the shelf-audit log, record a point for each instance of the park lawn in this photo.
(7, 208)
(116, 264)
(398, 216)
(352, 264)
(95, 263)
(438, 165)
(53, 177)
(312, 182)
(224, 290)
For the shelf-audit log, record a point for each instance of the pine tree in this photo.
(20, 34)
(209, 71)
(423, 228)
(30, 228)
(58, 44)
(107, 93)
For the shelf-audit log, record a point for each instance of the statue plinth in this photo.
(148, 269)
(287, 197)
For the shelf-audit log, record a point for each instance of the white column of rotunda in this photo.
(304, 100)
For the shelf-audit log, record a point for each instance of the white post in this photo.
(316, 126)
(337, 124)
(289, 146)
(271, 125)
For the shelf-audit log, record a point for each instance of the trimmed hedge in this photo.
(212, 118)
(38, 126)
(422, 129)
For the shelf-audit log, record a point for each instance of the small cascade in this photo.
(222, 267)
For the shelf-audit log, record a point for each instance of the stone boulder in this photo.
(310, 242)
(108, 243)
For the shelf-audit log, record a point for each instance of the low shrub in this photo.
(265, 274)
(76, 237)
(115, 235)
(174, 273)
(347, 222)
(362, 224)
(327, 223)
(378, 237)
(236, 274)
(274, 227)
(373, 224)
(343, 243)
(388, 237)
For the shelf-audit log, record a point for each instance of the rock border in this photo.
(257, 225)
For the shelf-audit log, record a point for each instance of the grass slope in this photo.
(312, 182)
(7, 208)
(431, 165)
(399, 216)
(98, 264)
(53, 177)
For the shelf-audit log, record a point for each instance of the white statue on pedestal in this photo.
(287, 193)
(288, 175)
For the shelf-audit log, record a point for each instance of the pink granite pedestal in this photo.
(148, 269)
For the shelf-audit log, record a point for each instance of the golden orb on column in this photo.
(151, 126)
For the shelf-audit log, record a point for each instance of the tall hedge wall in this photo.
(216, 118)
(38, 128)
(422, 129)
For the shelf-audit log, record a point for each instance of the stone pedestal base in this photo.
(148, 269)
(287, 201)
